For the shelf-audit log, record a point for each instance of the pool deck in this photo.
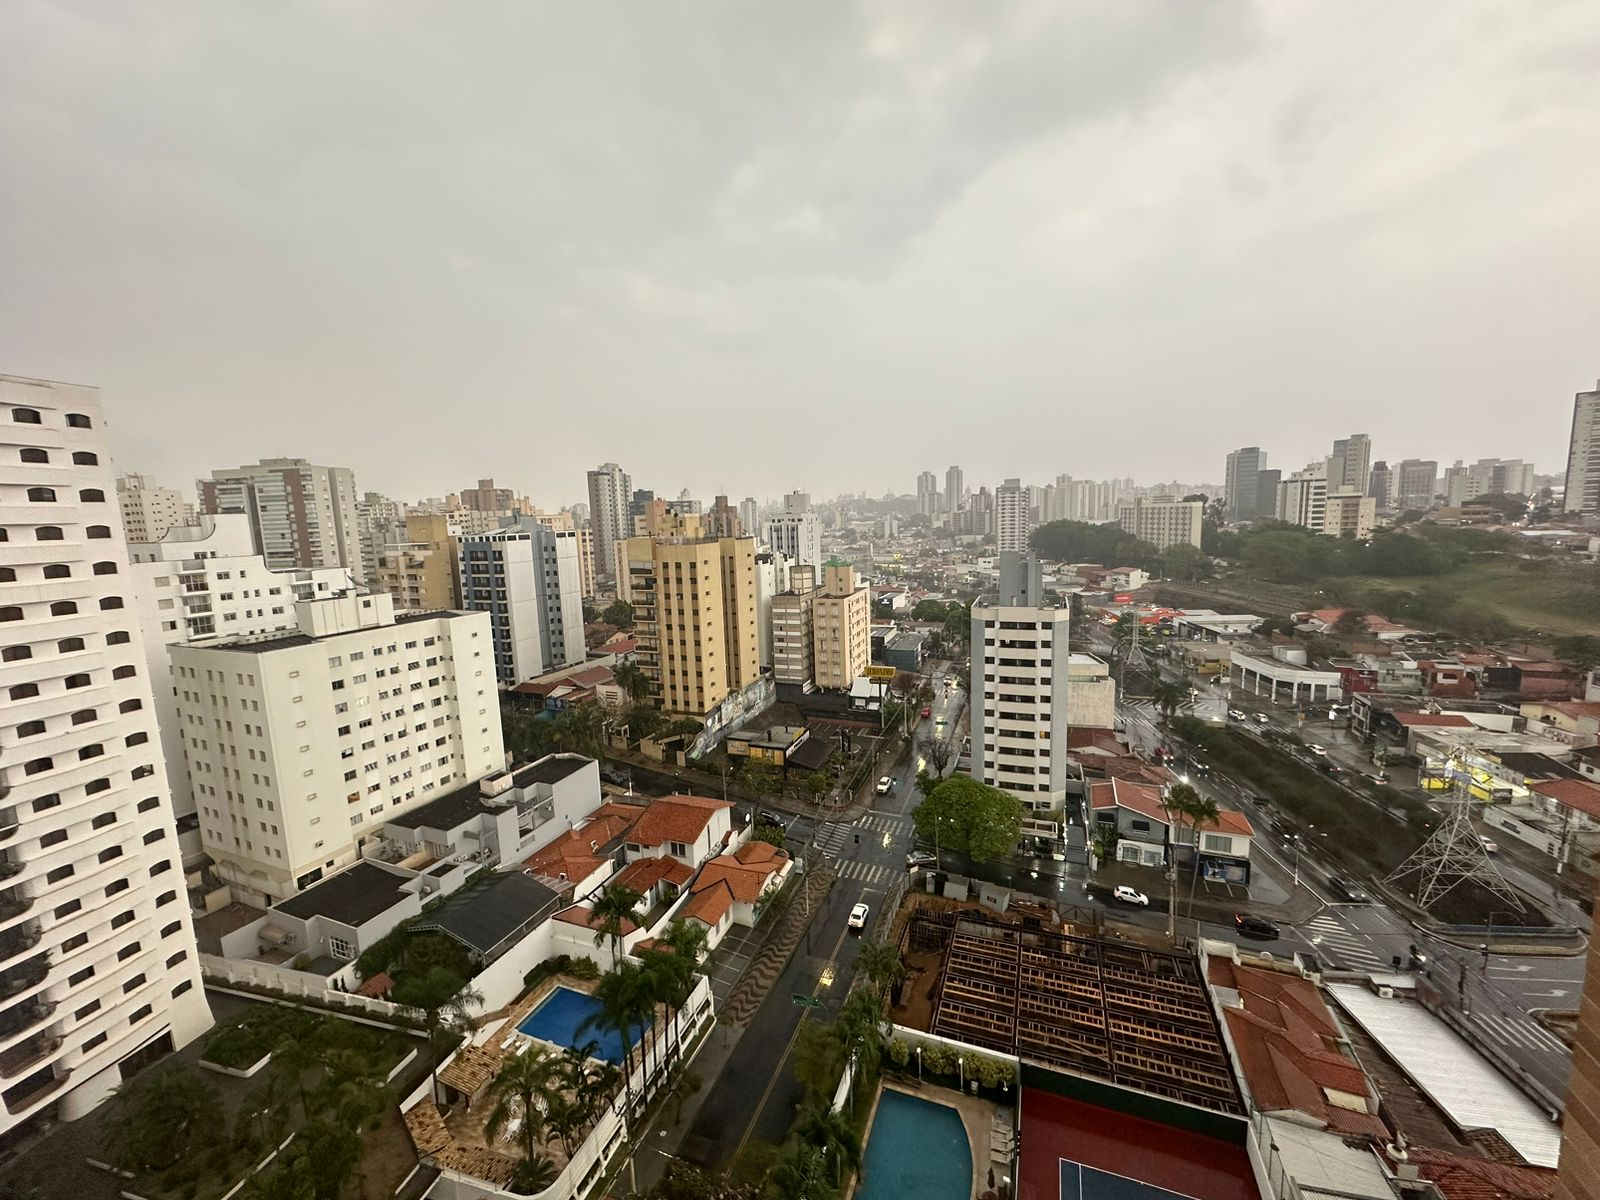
(977, 1117)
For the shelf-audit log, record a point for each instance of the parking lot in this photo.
(729, 960)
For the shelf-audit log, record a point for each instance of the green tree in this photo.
(521, 1089)
(618, 613)
(1189, 808)
(633, 681)
(1581, 650)
(614, 909)
(1185, 562)
(801, 1172)
(444, 1001)
(162, 1117)
(1169, 697)
(759, 778)
(880, 963)
(831, 1131)
(980, 821)
(579, 729)
(626, 996)
(534, 1175)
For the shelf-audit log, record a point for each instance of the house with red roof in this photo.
(1570, 722)
(731, 888)
(1148, 835)
(581, 859)
(689, 828)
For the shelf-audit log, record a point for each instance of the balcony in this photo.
(13, 904)
(9, 866)
(19, 1018)
(10, 822)
(19, 940)
(28, 1054)
(34, 1089)
(20, 978)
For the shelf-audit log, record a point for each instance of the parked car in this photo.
(1488, 844)
(1130, 895)
(858, 918)
(1237, 714)
(1347, 891)
(1316, 749)
(926, 711)
(885, 785)
(921, 859)
(767, 817)
(1249, 925)
(1376, 777)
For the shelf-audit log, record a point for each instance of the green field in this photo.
(1557, 599)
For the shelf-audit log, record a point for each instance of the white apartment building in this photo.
(610, 492)
(1303, 497)
(1163, 521)
(98, 964)
(772, 577)
(302, 745)
(380, 525)
(1416, 483)
(1012, 517)
(301, 515)
(1020, 689)
(796, 532)
(1583, 454)
(793, 628)
(527, 578)
(1091, 693)
(198, 585)
(148, 509)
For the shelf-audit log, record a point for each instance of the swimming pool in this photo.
(916, 1148)
(557, 1020)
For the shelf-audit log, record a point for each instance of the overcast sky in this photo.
(746, 247)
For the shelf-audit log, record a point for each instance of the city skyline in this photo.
(1056, 220)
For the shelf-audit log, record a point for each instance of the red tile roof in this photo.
(1578, 794)
(1100, 739)
(1287, 1044)
(1441, 720)
(680, 818)
(1134, 769)
(644, 873)
(1142, 798)
(572, 852)
(709, 906)
(1462, 1177)
(1229, 821)
(745, 872)
(581, 914)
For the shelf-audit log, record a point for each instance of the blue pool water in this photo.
(558, 1017)
(916, 1148)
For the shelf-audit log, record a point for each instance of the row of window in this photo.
(53, 533)
(58, 571)
(32, 416)
(117, 637)
(59, 608)
(26, 691)
(80, 458)
(47, 495)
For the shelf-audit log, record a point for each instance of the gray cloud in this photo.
(747, 247)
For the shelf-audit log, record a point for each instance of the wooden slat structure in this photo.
(1136, 1017)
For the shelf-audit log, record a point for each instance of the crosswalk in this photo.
(833, 837)
(1517, 1031)
(867, 872)
(1337, 943)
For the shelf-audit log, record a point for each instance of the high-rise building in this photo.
(423, 572)
(1267, 481)
(955, 490)
(842, 627)
(1583, 454)
(772, 577)
(301, 514)
(1346, 514)
(98, 964)
(1380, 484)
(1453, 486)
(148, 509)
(1019, 699)
(610, 491)
(1303, 497)
(1012, 520)
(793, 632)
(723, 520)
(1241, 488)
(1416, 483)
(198, 585)
(527, 578)
(694, 607)
(796, 532)
(566, 521)
(380, 523)
(1163, 521)
(488, 498)
(1498, 477)
(749, 517)
(302, 745)
(1349, 464)
(927, 493)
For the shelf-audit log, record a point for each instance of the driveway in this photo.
(729, 960)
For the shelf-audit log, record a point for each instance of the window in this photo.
(182, 988)
(134, 984)
(63, 911)
(14, 653)
(37, 766)
(57, 571)
(69, 645)
(120, 885)
(110, 602)
(26, 416)
(85, 458)
(96, 1041)
(47, 802)
(128, 706)
(109, 853)
(48, 533)
(22, 691)
(338, 948)
(117, 637)
(97, 531)
(127, 952)
(78, 977)
(87, 1011)
(31, 454)
(123, 672)
(92, 751)
(136, 739)
(121, 919)
(91, 495)
(78, 421)
(105, 568)
(60, 873)
(12, 612)
(30, 729)
(7, 575)
(174, 959)
(42, 495)
(63, 608)
(1217, 843)
(54, 838)
(83, 716)
(74, 942)
(77, 681)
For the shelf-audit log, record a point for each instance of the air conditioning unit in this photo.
(1386, 993)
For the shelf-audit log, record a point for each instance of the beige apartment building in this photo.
(149, 510)
(1346, 514)
(1163, 521)
(842, 625)
(793, 628)
(694, 602)
(423, 574)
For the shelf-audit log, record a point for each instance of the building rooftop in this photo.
(481, 918)
(1577, 794)
(580, 852)
(746, 871)
(676, 818)
(454, 808)
(1432, 720)
(1142, 798)
(551, 769)
(352, 897)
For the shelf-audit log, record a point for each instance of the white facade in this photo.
(1303, 497)
(796, 532)
(380, 525)
(301, 514)
(1091, 693)
(1583, 454)
(1020, 701)
(772, 577)
(202, 584)
(97, 953)
(148, 509)
(1163, 521)
(1012, 523)
(301, 746)
(610, 491)
(528, 579)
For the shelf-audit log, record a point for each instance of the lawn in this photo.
(1553, 599)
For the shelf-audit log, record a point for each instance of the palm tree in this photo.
(880, 962)
(445, 1002)
(614, 909)
(626, 996)
(632, 680)
(801, 1172)
(860, 1025)
(828, 1129)
(1169, 697)
(673, 964)
(521, 1088)
(1193, 810)
(533, 1175)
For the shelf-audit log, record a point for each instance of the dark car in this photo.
(1261, 801)
(767, 817)
(1256, 927)
(1347, 891)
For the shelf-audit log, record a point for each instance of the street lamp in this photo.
(919, 1062)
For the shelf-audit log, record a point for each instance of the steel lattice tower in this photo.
(1453, 853)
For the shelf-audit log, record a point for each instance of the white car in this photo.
(1262, 719)
(1129, 895)
(1317, 750)
(1236, 713)
(858, 917)
(1489, 846)
(885, 784)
